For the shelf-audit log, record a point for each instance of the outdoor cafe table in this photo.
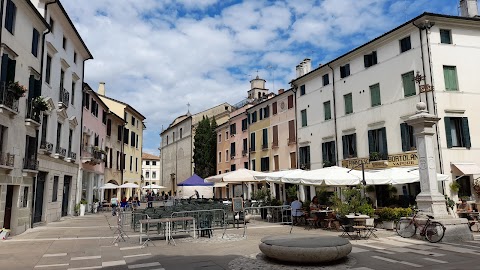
(168, 222)
(317, 212)
(473, 215)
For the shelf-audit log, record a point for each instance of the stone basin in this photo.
(305, 248)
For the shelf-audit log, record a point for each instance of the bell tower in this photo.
(257, 89)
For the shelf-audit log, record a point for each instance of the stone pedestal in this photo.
(430, 201)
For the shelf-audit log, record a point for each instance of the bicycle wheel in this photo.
(406, 228)
(434, 232)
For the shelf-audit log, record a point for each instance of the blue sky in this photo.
(159, 55)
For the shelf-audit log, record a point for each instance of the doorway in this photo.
(66, 194)
(8, 207)
(39, 190)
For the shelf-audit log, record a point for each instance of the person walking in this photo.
(149, 199)
(114, 203)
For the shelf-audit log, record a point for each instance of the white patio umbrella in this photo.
(238, 176)
(331, 176)
(277, 176)
(403, 175)
(153, 186)
(109, 186)
(129, 185)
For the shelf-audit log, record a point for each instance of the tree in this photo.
(205, 148)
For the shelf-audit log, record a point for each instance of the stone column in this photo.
(430, 201)
(272, 190)
(249, 191)
(301, 191)
(312, 192)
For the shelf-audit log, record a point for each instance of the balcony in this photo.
(292, 140)
(32, 116)
(30, 164)
(265, 146)
(92, 155)
(72, 156)
(64, 98)
(7, 161)
(46, 147)
(305, 166)
(244, 152)
(275, 144)
(8, 101)
(252, 149)
(60, 152)
(232, 156)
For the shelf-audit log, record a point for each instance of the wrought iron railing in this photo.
(292, 140)
(64, 97)
(244, 152)
(30, 164)
(32, 112)
(61, 151)
(265, 146)
(72, 155)
(7, 98)
(46, 146)
(274, 144)
(7, 159)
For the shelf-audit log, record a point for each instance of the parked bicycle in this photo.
(433, 231)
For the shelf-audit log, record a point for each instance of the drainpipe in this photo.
(420, 28)
(334, 113)
(295, 89)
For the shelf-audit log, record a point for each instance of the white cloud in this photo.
(159, 55)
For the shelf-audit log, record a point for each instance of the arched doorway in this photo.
(108, 193)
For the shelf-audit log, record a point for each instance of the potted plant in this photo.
(454, 187)
(374, 156)
(388, 216)
(17, 89)
(40, 104)
(83, 205)
(262, 195)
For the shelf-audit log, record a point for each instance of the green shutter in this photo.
(354, 144)
(348, 103)
(324, 152)
(375, 95)
(385, 145)
(466, 132)
(408, 84)
(332, 153)
(445, 36)
(371, 143)
(327, 111)
(448, 131)
(344, 147)
(405, 139)
(450, 75)
(304, 118)
(265, 137)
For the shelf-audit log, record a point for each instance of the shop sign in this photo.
(396, 160)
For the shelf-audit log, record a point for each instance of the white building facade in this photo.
(151, 169)
(60, 134)
(352, 110)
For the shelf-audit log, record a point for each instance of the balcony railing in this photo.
(7, 159)
(30, 164)
(64, 98)
(292, 140)
(32, 112)
(252, 149)
(244, 152)
(92, 154)
(62, 152)
(265, 146)
(46, 146)
(275, 144)
(7, 98)
(72, 155)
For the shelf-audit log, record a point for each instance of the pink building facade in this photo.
(94, 132)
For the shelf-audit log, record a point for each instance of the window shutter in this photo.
(366, 60)
(374, 57)
(466, 132)
(308, 155)
(248, 118)
(405, 137)
(261, 114)
(274, 108)
(4, 67)
(385, 145)
(290, 101)
(408, 84)
(448, 131)
(450, 75)
(31, 86)
(344, 147)
(37, 88)
(11, 70)
(324, 152)
(332, 154)
(371, 143)
(354, 144)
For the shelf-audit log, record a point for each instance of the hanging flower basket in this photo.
(41, 104)
(17, 90)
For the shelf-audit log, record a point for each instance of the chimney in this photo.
(468, 8)
(307, 65)
(280, 91)
(101, 89)
(298, 70)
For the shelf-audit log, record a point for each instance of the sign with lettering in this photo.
(396, 160)
(237, 204)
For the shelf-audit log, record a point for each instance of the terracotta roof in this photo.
(148, 156)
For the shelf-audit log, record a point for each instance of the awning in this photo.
(467, 168)
(221, 184)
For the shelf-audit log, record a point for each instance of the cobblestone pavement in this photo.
(86, 243)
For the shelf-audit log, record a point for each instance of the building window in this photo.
(465, 186)
(3, 137)
(345, 71)
(136, 164)
(304, 156)
(252, 141)
(274, 108)
(275, 136)
(457, 132)
(64, 43)
(327, 110)
(328, 154)
(44, 128)
(219, 138)
(291, 132)
(226, 135)
(408, 140)
(450, 75)
(52, 24)
(147, 174)
(167, 139)
(227, 156)
(377, 144)
(147, 162)
(290, 102)
(75, 57)
(349, 146)
(233, 129)
(265, 138)
(104, 117)
(25, 197)
(35, 42)
(132, 139)
(304, 117)
(261, 113)
(173, 137)
(55, 189)
(126, 132)
(302, 90)
(181, 133)
(10, 15)
(348, 103)
(72, 99)
(405, 44)
(154, 163)
(276, 166)
(375, 95)
(325, 79)
(245, 165)
(119, 133)
(244, 124)
(233, 167)
(265, 164)
(154, 175)
(266, 112)
(445, 36)
(253, 167)
(254, 117)
(370, 59)
(131, 163)
(232, 150)
(59, 134)
(219, 157)
(409, 84)
(133, 120)
(48, 69)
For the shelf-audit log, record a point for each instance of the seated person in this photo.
(464, 206)
(314, 205)
(296, 206)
